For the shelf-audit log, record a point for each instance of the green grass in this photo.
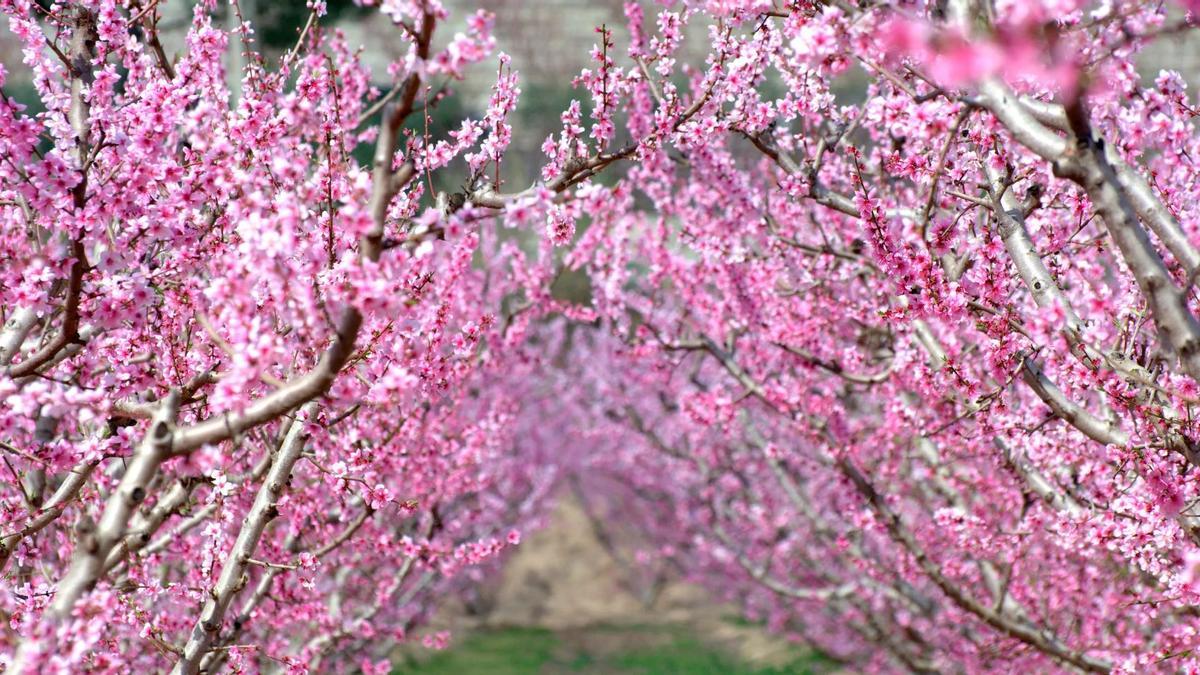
(510, 651)
(652, 651)
(686, 656)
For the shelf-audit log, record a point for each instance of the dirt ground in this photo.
(563, 580)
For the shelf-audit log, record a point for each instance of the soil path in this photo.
(562, 581)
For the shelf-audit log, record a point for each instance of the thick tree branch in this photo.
(212, 615)
(1085, 162)
(1070, 412)
(93, 549)
(170, 504)
(1161, 221)
(19, 323)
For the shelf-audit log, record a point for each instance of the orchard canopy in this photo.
(911, 373)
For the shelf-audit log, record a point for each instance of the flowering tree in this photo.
(239, 378)
(908, 374)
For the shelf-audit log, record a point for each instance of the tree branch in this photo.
(93, 549)
(212, 615)
(1038, 638)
